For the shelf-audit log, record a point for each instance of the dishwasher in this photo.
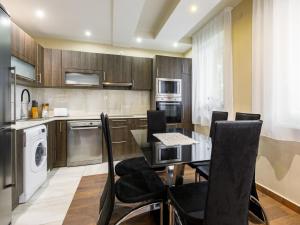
(84, 142)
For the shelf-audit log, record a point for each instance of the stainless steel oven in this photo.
(84, 142)
(173, 110)
(168, 88)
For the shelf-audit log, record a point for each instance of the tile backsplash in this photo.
(82, 102)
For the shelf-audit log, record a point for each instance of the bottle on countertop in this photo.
(34, 110)
(45, 110)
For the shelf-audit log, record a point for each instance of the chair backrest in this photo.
(216, 116)
(235, 147)
(107, 200)
(247, 116)
(157, 122)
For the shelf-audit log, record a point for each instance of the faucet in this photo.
(24, 112)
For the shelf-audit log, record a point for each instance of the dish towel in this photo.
(171, 139)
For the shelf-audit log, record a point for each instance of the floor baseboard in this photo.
(278, 198)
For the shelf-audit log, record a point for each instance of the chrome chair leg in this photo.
(177, 217)
(265, 218)
(140, 210)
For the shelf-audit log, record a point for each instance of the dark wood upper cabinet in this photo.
(81, 60)
(117, 68)
(40, 66)
(17, 41)
(141, 73)
(168, 67)
(187, 66)
(22, 45)
(52, 76)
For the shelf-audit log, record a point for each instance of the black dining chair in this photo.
(143, 187)
(216, 116)
(203, 170)
(224, 198)
(156, 124)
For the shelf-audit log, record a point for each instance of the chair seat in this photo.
(189, 201)
(194, 165)
(132, 165)
(140, 186)
(203, 170)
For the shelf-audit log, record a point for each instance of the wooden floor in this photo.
(84, 207)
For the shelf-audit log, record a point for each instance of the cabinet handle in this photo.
(15, 92)
(118, 142)
(40, 78)
(104, 75)
(119, 127)
(60, 126)
(133, 83)
(143, 119)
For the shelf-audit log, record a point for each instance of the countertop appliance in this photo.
(6, 178)
(167, 89)
(34, 161)
(84, 142)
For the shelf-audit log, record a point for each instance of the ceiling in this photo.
(165, 25)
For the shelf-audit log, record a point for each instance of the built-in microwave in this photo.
(168, 88)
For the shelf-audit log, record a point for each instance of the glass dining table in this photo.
(174, 158)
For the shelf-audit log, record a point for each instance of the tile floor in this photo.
(49, 205)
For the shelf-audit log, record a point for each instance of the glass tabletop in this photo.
(158, 155)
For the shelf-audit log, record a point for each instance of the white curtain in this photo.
(276, 67)
(212, 86)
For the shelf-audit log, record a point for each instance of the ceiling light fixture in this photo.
(193, 8)
(88, 33)
(40, 13)
(139, 39)
(175, 44)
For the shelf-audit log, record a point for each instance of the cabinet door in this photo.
(71, 59)
(17, 41)
(40, 66)
(51, 142)
(187, 101)
(89, 61)
(60, 153)
(141, 73)
(119, 137)
(111, 68)
(168, 67)
(30, 50)
(52, 68)
(187, 66)
(117, 69)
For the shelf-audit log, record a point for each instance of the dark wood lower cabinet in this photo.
(60, 151)
(17, 167)
(51, 144)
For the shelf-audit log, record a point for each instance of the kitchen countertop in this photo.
(23, 124)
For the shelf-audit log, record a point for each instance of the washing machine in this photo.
(34, 160)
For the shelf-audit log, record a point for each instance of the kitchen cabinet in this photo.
(22, 45)
(187, 66)
(117, 70)
(123, 144)
(186, 101)
(17, 166)
(141, 73)
(40, 66)
(51, 144)
(60, 151)
(81, 60)
(168, 67)
(52, 76)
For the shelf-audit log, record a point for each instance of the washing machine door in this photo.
(39, 156)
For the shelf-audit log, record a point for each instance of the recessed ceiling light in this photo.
(175, 44)
(40, 13)
(139, 39)
(88, 33)
(193, 8)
